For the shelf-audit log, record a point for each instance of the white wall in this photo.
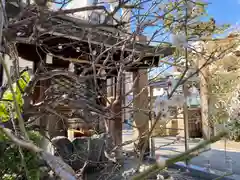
(22, 64)
(94, 15)
(78, 4)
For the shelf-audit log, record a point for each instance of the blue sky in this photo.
(225, 11)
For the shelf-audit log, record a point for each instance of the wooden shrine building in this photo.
(59, 39)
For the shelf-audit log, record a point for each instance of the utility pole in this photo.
(185, 116)
(151, 141)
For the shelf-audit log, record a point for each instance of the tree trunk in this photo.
(204, 74)
(140, 104)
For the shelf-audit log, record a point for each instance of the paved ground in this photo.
(216, 156)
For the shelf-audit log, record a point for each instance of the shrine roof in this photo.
(57, 27)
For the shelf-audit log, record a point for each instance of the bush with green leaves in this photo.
(12, 165)
(234, 129)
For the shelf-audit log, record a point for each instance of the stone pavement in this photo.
(216, 156)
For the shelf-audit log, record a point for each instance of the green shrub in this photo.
(11, 164)
(234, 129)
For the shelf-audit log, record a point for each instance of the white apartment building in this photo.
(92, 16)
(97, 16)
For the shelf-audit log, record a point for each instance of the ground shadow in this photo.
(216, 159)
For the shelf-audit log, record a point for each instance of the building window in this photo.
(95, 2)
(193, 99)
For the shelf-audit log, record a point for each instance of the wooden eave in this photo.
(74, 29)
(99, 34)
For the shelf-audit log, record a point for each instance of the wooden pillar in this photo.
(110, 96)
(110, 87)
(127, 87)
(140, 103)
(101, 100)
(117, 122)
